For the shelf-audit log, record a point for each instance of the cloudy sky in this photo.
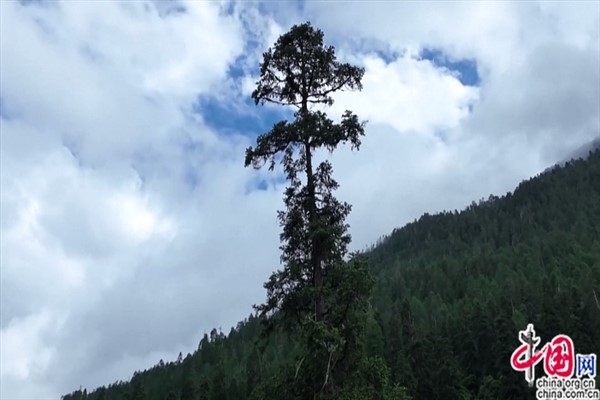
(129, 224)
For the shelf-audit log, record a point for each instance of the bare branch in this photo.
(298, 368)
(596, 298)
(328, 366)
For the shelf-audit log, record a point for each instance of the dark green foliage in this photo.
(371, 380)
(138, 390)
(171, 396)
(299, 70)
(485, 273)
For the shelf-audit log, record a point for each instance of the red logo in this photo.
(558, 355)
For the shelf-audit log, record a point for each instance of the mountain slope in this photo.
(452, 292)
(473, 279)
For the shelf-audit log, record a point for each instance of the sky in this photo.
(130, 226)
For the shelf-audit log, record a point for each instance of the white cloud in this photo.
(410, 94)
(112, 260)
(26, 354)
(104, 63)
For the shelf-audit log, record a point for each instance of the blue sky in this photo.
(465, 68)
(122, 173)
(247, 119)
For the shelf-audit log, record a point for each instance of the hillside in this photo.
(452, 291)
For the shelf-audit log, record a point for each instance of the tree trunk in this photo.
(316, 247)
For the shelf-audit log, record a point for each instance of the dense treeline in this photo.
(452, 291)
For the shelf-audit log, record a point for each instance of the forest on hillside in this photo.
(452, 292)
(432, 311)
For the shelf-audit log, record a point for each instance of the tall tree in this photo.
(316, 293)
(301, 71)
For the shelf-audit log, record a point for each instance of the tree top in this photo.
(300, 70)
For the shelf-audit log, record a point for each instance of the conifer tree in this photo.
(319, 294)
